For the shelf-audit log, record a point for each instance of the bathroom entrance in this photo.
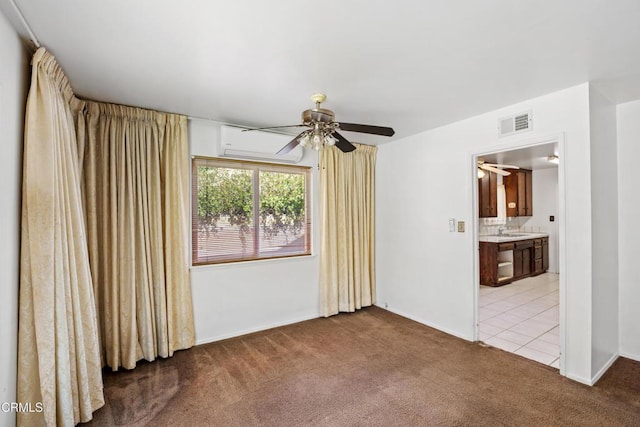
(518, 267)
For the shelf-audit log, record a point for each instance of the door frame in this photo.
(559, 139)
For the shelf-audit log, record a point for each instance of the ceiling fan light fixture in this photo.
(304, 141)
(317, 141)
(553, 159)
(322, 127)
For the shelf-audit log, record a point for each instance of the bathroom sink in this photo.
(510, 237)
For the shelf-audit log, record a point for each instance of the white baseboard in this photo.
(635, 357)
(581, 380)
(427, 323)
(591, 381)
(256, 329)
(604, 369)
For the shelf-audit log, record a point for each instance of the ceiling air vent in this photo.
(514, 124)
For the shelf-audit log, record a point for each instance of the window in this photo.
(248, 210)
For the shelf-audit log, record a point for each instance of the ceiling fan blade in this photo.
(496, 165)
(495, 170)
(343, 144)
(291, 145)
(375, 130)
(274, 127)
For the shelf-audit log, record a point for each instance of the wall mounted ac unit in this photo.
(256, 145)
(515, 124)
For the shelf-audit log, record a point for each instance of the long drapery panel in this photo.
(347, 254)
(104, 249)
(136, 188)
(58, 352)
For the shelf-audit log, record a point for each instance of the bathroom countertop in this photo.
(511, 237)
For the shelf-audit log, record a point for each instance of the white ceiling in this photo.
(533, 158)
(407, 64)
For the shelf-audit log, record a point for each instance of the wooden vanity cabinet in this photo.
(545, 254)
(495, 263)
(488, 195)
(488, 264)
(530, 258)
(522, 258)
(537, 256)
(518, 188)
(540, 255)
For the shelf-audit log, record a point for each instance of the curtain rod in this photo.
(25, 24)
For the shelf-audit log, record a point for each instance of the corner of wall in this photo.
(628, 134)
(604, 230)
(14, 81)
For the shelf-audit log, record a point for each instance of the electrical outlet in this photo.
(552, 218)
(460, 226)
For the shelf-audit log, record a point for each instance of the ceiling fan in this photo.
(322, 129)
(494, 167)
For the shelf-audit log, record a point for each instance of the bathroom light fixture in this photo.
(553, 159)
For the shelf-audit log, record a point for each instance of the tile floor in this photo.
(523, 317)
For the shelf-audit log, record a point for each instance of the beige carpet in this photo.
(367, 368)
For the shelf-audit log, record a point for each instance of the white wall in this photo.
(13, 79)
(545, 204)
(237, 298)
(426, 273)
(604, 232)
(628, 127)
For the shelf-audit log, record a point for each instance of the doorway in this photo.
(519, 303)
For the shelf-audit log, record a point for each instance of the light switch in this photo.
(460, 226)
(452, 225)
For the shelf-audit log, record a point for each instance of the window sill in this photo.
(253, 262)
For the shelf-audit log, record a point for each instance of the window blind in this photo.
(249, 210)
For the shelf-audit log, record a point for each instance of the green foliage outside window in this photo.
(282, 203)
(226, 194)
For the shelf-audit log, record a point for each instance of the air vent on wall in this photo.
(514, 124)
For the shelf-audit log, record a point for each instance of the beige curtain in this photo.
(347, 271)
(58, 351)
(104, 257)
(136, 187)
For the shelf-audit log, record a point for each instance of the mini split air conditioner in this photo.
(257, 145)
